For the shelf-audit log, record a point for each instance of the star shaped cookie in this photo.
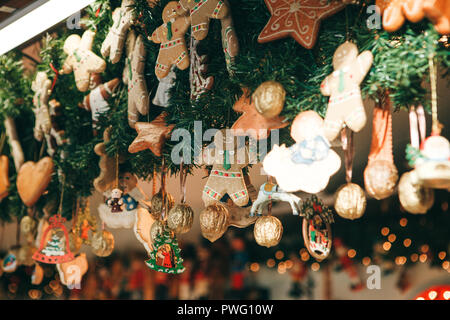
(151, 135)
(299, 19)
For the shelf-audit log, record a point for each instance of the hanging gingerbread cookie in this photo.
(438, 11)
(81, 60)
(299, 19)
(4, 177)
(345, 106)
(173, 49)
(395, 12)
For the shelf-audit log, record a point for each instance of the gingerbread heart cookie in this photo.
(4, 177)
(33, 179)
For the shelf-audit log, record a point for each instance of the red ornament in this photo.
(435, 293)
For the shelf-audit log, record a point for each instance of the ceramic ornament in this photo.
(308, 164)
(142, 228)
(345, 106)
(33, 179)
(4, 177)
(81, 60)
(252, 122)
(316, 228)
(113, 44)
(268, 231)
(71, 273)
(56, 250)
(299, 19)
(269, 192)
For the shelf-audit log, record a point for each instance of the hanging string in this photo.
(163, 189)
(117, 170)
(183, 176)
(155, 177)
(349, 152)
(436, 126)
(62, 195)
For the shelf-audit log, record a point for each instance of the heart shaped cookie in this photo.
(4, 178)
(33, 179)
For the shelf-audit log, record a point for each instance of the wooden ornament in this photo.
(350, 201)
(251, 121)
(268, 231)
(214, 221)
(71, 273)
(37, 275)
(102, 243)
(33, 179)
(299, 19)
(142, 227)
(269, 99)
(4, 177)
(413, 196)
(151, 135)
(180, 218)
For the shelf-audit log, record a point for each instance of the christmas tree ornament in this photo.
(71, 273)
(85, 223)
(96, 101)
(214, 221)
(113, 44)
(14, 143)
(133, 77)
(438, 11)
(268, 231)
(199, 81)
(311, 160)
(9, 262)
(413, 196)
(81, 60)
(350, 198)
(316, 228)
(348, 265)
(170, 34)
(269, 192)
(4, 177)
(251, 122)
(41, 86)
(299, 19)
(102, 243)
(395, 12)
(345, 106)
(38, 275)
(33, 179)
(166, 256)
(56, 250)
(269, 99)
(143, 227)
(381, 175)
(228, 159)
(151, 135)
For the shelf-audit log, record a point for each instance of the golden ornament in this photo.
(157, 205)
(156, 230)
(75, 242)
(350, 201)
(414, 197)
(269, 99)
(102, 243)
(268, 231)
(180, 218)
(380, 179)
(27, 225)
(214, 221)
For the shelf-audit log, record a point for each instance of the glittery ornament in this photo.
(414, 197)
(214, 221)
(180, 218)
(268, 231)
(157, 204)
(156, 230)
(269, 98)
(350, 201)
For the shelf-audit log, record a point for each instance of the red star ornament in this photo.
(299, 19)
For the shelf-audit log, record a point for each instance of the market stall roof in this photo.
(9, 7)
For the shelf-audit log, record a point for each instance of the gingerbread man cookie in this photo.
(345, 106)
(112, 46)
(173, 49)
(226, 176)
(81, 60)
(133, 76)
(42, 90)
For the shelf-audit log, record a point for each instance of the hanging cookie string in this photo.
(349, 152)
(183, 176)
(436, 125)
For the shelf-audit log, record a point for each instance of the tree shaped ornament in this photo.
(345, 106)
(113, 44)
(299, 19)
(173, 49)
(166, 256)
(133, 76)
(81, 60)
(56, 250)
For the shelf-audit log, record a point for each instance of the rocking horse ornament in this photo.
(272, 192)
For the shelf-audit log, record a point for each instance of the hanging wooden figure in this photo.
(316, 228)
(56, 250)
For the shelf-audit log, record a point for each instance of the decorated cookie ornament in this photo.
(268, 231)
(33, 179)
(71, 272)
(173, 49)
(113, 44)
(269, 192)
(345, 106)
(252, 122)
(4, 177)
(299, 19)
(226, 177)
(308, 164)
(41, 87)
(395, 12)
(81, 60)
(133, 77)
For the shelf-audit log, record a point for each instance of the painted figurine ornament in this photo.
(271, 192)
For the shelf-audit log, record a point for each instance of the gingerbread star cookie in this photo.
(299, 19)
(151, 135)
